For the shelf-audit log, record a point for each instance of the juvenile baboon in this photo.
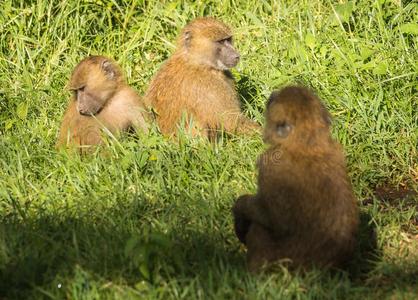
(102, 101)
(304, 211)
(195, 83)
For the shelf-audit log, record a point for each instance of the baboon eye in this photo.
(76, 91)
(227, 40)
(283, 129)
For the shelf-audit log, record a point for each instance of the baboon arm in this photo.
(233, 121)
(246, 125)
(247, 212)
(236, 123)
(249, 208)
(138, 121)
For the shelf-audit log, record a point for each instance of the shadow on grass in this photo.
(366, 253)
(40, 250)
(370, 270)
(247, 90)
(125, 249)
(39, 253)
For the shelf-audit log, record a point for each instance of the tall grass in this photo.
(152, 219)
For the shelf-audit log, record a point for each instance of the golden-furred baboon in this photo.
(195, 83)
(102, 101)
(304, 211)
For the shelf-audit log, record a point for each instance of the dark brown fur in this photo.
(102, 103)
(195, 83)
(304, 211)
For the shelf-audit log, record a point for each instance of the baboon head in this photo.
(294, 115)
(209, 42)
(93, 82)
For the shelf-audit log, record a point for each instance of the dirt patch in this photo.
(394, 196)
(402, 198)
(390, 193)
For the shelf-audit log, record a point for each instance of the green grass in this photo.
(152, 219)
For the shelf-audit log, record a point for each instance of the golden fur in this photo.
(121, 106)
(192, 85)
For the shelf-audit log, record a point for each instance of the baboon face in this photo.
(279, 124)
(93, 82)
(294, 115)
(209, 41)
(225, 54)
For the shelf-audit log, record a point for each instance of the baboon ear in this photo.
(187, 38)
(108, 69)
(272, 98)
(326, 115)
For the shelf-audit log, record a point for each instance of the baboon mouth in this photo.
(87, 114)
(233, 63)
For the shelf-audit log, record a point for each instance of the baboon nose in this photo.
(84, 112)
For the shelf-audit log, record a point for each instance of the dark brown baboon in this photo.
(304, 211)
(102, 103)
(195, 83)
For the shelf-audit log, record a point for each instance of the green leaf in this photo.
(381, 68)
(365, 52)
(130, 246)
(143, 268)
(411, 28)
(255, 19)
(160, 240)
(153, 156)
(344, 11)
(142, 286)
(142, 159)
(9, 123)
(22, 110)
(126, 161)
(310, 40)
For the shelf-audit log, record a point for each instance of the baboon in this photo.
(304, 212)
(196, 83)
(102, 102)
